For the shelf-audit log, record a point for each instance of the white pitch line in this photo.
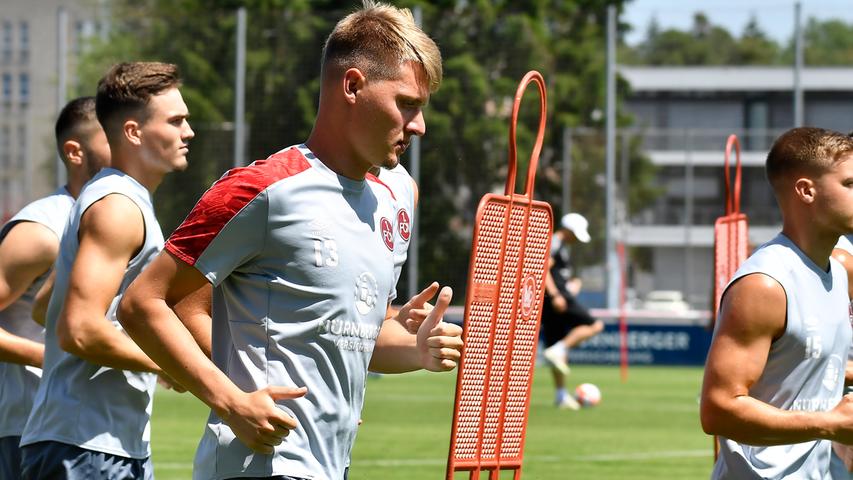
(428, 462)
(640, 456)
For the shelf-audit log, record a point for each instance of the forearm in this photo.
(42, 299)
(15, 349)
(98, 341)
(163, 336)
(747, 420)
(194, 313)
(551, 286)
(396, 350)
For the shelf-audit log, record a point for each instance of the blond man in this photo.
(299, 248)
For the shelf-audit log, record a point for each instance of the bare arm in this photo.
(437, 346)
(42, 299)
(15, 349)
(147, 311)
(753, 315)
(26, 253)
(194, 312)
(111, 233)
(557, 300)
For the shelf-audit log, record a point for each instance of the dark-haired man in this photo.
(29, 243)
(775, 370)
(90, 418)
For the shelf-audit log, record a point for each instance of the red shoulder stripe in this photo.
(224, 200)
(373, 178)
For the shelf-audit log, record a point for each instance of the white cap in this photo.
(577, 224)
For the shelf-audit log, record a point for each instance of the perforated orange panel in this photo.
(731, 247)
(731, 236)
(506, 282)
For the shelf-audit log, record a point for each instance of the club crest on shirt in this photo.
(404, 224)
(387, 231)
(366, 293)
(321, 228)
(834, 373)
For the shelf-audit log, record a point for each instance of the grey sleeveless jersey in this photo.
(18, 383)
(80, 403)
(403, 187)
(805, 366)
(301, 261)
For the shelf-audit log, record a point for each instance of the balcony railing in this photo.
(707, 139)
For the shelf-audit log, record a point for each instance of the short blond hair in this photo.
(377, 39)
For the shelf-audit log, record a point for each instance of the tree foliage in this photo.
(487, 46)
(826, 43)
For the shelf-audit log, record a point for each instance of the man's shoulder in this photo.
(51, 211)
(261, 174)
(106, 182)
(237, 194)
(58, 198)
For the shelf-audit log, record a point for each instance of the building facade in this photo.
(685, 115)
(29, 89)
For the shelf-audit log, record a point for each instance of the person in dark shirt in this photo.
(565, 322)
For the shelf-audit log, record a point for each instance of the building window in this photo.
(757, 121)
(24, 88)
(22, 148)
(4, 151)
(7, 41)
(84, 30)
(7, 88)
(24, 35)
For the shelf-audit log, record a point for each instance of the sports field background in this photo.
(646, 428)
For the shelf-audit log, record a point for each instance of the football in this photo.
(588, 395)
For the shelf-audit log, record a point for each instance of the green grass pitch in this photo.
(645, 428)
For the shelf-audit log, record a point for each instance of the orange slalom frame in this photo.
(503, 308)
(731, 238)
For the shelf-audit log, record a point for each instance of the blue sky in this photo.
(775, 17)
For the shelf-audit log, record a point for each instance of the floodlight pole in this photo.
(240, 91)
(798, 67)
(613, 272)
(567, 171)
(61, 78)
(415, 172)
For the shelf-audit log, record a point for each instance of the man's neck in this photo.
(816, 244)
(134, 169)
(337, 160)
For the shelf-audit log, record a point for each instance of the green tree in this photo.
(487, 46)
(826, 43)
(755, 47)
(704, 44)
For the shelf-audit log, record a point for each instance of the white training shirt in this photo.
(804, 370)
(403, 186)
(80, 403)
(301, 260)
(18, 383)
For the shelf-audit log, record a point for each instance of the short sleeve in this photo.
(226, 228)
